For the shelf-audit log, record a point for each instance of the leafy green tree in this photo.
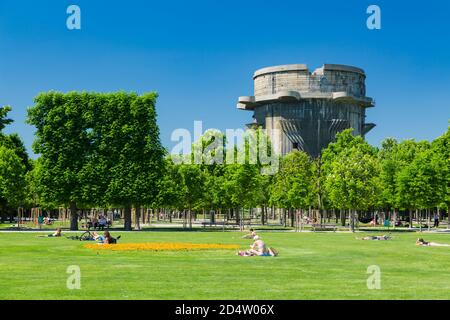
(240, 184)
(130, 151)
(170, 187)
(352, 174)
(192, 178)
(423, 183)
(390, 164)
(12, 179)
(4, 121)
(441, 149)
(404, 154)
(13, 141)
(12, 174)
(97, 149)
(63, 144)
(293, 186)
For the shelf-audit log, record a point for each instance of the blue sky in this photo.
(200, 56)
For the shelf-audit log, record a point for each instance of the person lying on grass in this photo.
(57, 233)
(251, 235)
(383, 237)
(421, 242)
(258, 248)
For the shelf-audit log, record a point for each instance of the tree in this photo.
(192, 178)
(390, 164)
(441, 150)
(352, 174)
(4, 121)
(13, 141)
(293, 186)
(12, 179)
(131, 151)
(63, 143)
(14, 163)
(170, 189)
(423, 183)
(97, 149)
(404, 154)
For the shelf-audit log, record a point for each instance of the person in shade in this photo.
(436, 220)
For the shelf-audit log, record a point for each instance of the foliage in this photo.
(97, 149)
(12, 179)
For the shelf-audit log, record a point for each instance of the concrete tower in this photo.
(308, 109)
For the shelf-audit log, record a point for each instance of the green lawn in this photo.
(310, 266)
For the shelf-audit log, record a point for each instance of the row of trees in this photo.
(350, 176)
(103, 151)
(15, 167)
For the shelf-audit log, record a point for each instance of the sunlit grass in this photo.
(309, 266)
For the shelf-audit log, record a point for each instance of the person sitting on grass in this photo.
(258, 248)
(250, 235)
(380, 238)
(422, 242)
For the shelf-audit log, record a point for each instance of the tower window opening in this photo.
(274, 84)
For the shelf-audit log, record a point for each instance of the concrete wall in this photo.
(329, 78)
(311, 123)
(303, 109)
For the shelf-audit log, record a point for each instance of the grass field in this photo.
(309, 266)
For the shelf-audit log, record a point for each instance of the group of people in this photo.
(419, 241)
(258, 247)
(106, 238)
(100, 224)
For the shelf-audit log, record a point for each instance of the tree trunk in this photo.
(419, 218)
(292, 217)
(342, 214)
(73, 216)
(138, 216)
(350, 220)
(127, 218)
(410, 219)
(190, 218)
(263, 209)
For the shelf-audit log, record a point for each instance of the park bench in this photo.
(247, 222)
(218, 223)
(323, 227)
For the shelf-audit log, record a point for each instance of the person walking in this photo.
(436, 219)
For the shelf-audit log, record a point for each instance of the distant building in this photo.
(308, 109)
